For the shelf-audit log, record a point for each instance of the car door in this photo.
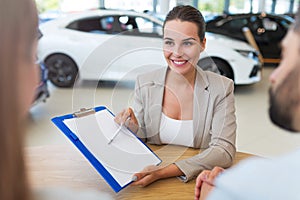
(136, 47)
(264, 31)
(86, 34)
(275, 30)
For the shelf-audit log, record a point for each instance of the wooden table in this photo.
(65, 166)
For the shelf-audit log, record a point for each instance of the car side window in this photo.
(121, 24)
(86, 25)
(128, 23)
(98, 25)
(236, 25)
(254, 23)
(255, 26)
(269, 24)
(148, 28)
(107, 23)
(275, 29)
(139, 26)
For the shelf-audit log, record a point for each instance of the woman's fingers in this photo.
(127, 118)
(146, 177)
(122, 116)
(138, 179)
(132, 116)
(119, 116)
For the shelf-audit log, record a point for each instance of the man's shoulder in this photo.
(261, 178)
(260, 165)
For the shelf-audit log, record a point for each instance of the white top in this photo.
(177, 132)
(260, 179)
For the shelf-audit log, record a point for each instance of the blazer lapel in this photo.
(156, 93)
(201, 103)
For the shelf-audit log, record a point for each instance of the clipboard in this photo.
(90, 130)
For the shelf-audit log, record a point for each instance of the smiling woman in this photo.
(182, 105)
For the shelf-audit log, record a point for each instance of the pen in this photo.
(118, 131)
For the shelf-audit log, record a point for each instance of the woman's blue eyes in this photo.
(184, 43)
(187, 43)
(169, 43)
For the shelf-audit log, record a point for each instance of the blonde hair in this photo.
(18, 22)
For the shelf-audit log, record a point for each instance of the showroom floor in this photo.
(255, 133)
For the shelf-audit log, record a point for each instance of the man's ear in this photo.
(203, 44)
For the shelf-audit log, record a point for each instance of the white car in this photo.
(117, 45)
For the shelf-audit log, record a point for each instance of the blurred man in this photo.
(278, 178)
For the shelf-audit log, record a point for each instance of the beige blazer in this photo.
(214, 121)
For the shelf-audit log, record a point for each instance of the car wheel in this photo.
(62, 70)
(217, 66)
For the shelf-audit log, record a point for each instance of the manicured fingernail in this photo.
(134, 178)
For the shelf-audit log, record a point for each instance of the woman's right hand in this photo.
(128, 118)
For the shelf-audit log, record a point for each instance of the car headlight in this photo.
(249, 54)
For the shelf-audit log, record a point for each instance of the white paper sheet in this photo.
(123, 157)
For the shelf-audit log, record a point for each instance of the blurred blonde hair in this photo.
(18, 22)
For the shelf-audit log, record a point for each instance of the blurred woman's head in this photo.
(18, 22)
